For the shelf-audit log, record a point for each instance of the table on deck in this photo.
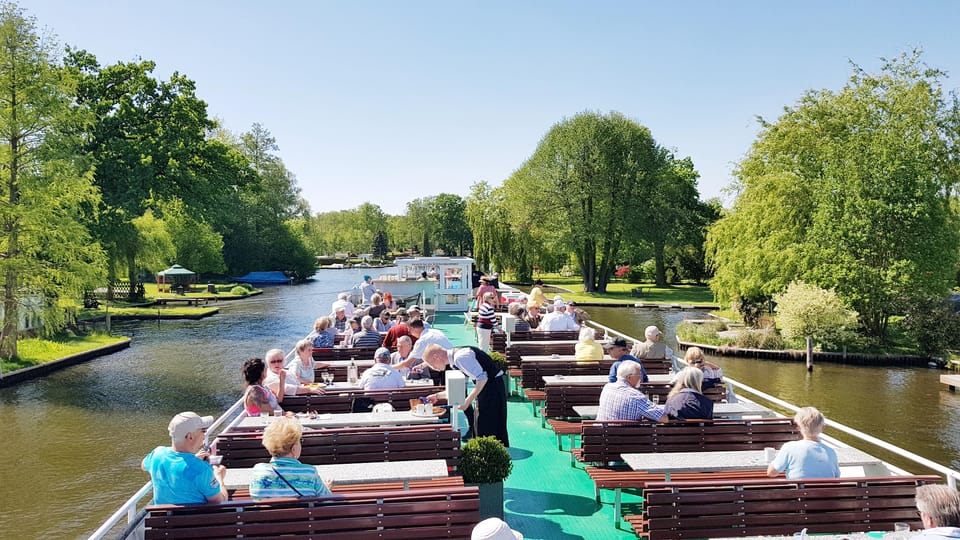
(720, 410)
(344, 386)
(548, 342)
(360, 473)
(671, 462)
(563, 358)
(395, 418)
(593, 380)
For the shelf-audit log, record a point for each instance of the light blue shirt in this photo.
(807, 459)
(179, 477)
(265, 484)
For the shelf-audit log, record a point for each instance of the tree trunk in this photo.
(661, 269)
(132, 274)
(11, 315)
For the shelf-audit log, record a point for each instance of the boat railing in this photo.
(951, 475)
(131, 511)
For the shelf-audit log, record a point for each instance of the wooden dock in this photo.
(952, 381)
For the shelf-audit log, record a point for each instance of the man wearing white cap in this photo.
(179, 472)
(653, 348)
(381, 376)
(494, 529)
(557, 320)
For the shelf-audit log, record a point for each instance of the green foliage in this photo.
(763, 338)
(499, 359)
(933, 324)
(705, 333)
(380, 246)
(484, 460)
(451, 233)
(240, 290)
(34, 351)
(751, 310)
(849, 190)
(805, 310)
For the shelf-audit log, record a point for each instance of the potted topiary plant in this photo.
(501, 361)
(486, 463)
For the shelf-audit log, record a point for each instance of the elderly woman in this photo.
(285, 476)
(323, 333)
(384, 322)
(517, 310)
(302, 370)
(280, 382)
(256, 397)
(587, 347)
(686, 400)
(808, 457)
(377, 307)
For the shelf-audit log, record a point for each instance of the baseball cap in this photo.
(651, 331)
(413, 308)
(187, 422)
(618, 342)
(558, 303)
(494, 529)
(382, 352)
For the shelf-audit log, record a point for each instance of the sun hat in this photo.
(187, 422)
(494, 529)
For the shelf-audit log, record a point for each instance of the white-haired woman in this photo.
(302, 370)
(284, 475)
(587, 348)
(808, 457)
(686, 400)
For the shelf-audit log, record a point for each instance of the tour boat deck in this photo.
(544, 497)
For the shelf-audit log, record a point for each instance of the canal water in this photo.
(73, 441)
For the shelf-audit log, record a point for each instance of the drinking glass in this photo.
(655, 398)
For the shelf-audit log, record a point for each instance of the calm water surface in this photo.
(73, 441)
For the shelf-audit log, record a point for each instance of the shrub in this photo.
(635, 274)
(750, 310)
(239, 290)
(933, 324)
(805, 310)
(484, 460)
(705, 333)
(622, 271)
(766, 338)
(499, 359)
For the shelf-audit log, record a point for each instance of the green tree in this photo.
(380, 246)
(46, 255)
(197, 246)
(584, 175)
(849, 190)
(805, 310)
(448, 214)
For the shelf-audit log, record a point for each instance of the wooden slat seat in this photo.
(342, 401)
(351, 445)
(405, 514)
(535, 397)
(532, 373)
(542, 335)
(515, 350)
(754, 507)
(338, 353)
(564, 427)
(433, 483)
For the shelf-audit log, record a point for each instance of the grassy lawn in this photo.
(35, 351)
(143, 311)
(199, 290)
(619, 292)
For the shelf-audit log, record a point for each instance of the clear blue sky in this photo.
(392, 100)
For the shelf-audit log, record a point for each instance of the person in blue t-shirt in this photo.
(617, 349)
(808, 457)
(179, 472)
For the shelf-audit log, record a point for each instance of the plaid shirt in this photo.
(620, 401)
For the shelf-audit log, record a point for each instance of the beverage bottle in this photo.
(352, 371)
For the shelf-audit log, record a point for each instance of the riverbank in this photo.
(793, 355)
(33, 360)
(622, 294)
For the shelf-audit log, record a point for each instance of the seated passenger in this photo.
(323, 333)
(622, 401)
(368, 337)
(285, 476)
(587, 347)
(686, 401)
(533, 315)
(278, 380)
(381, 376)
(517, 310)
(712, 373)
(302, 369)
(389, 302)
(617, 349)
(808, 457)
(179, 473)
(939, 509)
(377, 306)
(256, 397)
(384, 322)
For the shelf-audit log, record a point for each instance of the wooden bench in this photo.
(342, 401)
(777, 506)
(350, 445)
(337, 353)
(422, 514)
(543, 335)
(433, 483)
(561, 398)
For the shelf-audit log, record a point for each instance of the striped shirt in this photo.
(620, 401)
(486, 316)
(265, 484)
(366, 338)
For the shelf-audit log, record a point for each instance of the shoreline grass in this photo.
(35, 351)
(619, 292)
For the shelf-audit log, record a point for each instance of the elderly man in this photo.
(367, 337)
(617, 349)
(404, 347)
(416, 314)
(557, 320)
(381, 376)
(939, 508)
(340, 319)
(343, 302)
(533, 317)
(622, 401)
(424, 337)
(653, 348)
(489, 391)
(179, 472)
(398, 330)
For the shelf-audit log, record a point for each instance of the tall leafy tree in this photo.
(850, 190)
(448, 214)
(46, 256)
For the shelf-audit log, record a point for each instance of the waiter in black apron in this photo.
(488, 391)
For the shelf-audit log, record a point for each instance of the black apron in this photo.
(492, 400)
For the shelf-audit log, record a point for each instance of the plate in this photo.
(437, 411)
(315, 385)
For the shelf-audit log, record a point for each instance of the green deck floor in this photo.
(545, 498)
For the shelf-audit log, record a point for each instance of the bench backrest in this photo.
(560, 399)
(543, 335)
(421, 514)
(604, 441)
(518, 349)
(533, 372)
(337, 353)
(350, 445)
(778, 506)
(342, 402)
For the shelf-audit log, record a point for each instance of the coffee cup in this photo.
(215, 460)
(423, 408)
(278, 412)
(769, 454)
(901, 526)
